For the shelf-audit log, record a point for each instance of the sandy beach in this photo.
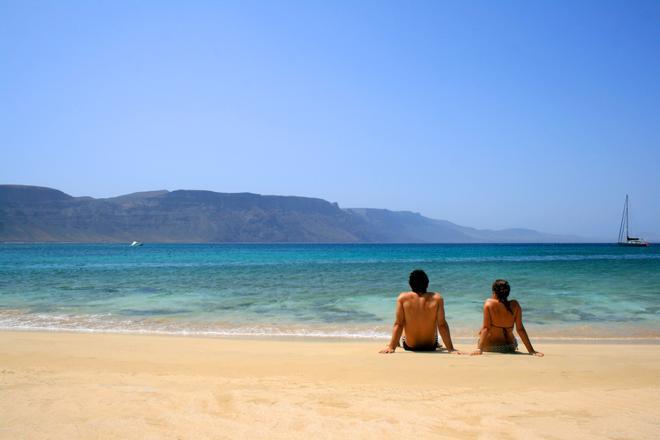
(67, 385)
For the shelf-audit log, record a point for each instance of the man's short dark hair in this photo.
(418, 281)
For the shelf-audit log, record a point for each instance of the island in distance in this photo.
(38, 214)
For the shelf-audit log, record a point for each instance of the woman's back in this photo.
(502, 320)
(499, 314)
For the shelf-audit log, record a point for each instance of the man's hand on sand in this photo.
(537, 353)
(477, 352)
(387, 350)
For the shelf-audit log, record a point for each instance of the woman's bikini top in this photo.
(504, 329)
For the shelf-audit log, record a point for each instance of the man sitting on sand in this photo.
(420, 315)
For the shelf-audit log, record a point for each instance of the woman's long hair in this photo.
(501, 289)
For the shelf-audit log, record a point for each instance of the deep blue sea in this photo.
(317, 290)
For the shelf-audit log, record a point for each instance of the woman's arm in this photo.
(520, 328)
(397, 329)
(483, 333)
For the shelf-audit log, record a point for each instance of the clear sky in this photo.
(487, 114)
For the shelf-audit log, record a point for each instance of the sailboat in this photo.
(624, 237)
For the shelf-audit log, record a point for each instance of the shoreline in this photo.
(291, 337)
(83, 385)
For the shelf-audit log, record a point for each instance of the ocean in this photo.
(568, 292)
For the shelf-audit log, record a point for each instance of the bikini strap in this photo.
(498, 326)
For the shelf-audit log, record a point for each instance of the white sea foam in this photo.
(107, 323)
(104, 323)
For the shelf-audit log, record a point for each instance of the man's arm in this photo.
(397, 329)
(443, 327)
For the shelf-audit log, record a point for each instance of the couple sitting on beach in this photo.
(420, 316)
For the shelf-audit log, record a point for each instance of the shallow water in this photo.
(345, 290)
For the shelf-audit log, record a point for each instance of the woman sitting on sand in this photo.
(500, 315)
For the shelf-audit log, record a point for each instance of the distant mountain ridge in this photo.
(39, 214)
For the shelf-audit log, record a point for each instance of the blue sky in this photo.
(488, 114)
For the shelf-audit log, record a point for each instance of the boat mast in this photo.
(624, 221)
(627, 234)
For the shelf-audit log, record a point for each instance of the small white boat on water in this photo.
(624, 237)
(136, 244)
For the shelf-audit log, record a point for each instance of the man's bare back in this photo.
(420, 315)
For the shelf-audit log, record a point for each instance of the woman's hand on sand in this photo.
(537, 353)
(387, 350)
(477, 352)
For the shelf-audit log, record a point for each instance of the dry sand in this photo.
(87, 386)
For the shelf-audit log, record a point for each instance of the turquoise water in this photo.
(339, 290)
